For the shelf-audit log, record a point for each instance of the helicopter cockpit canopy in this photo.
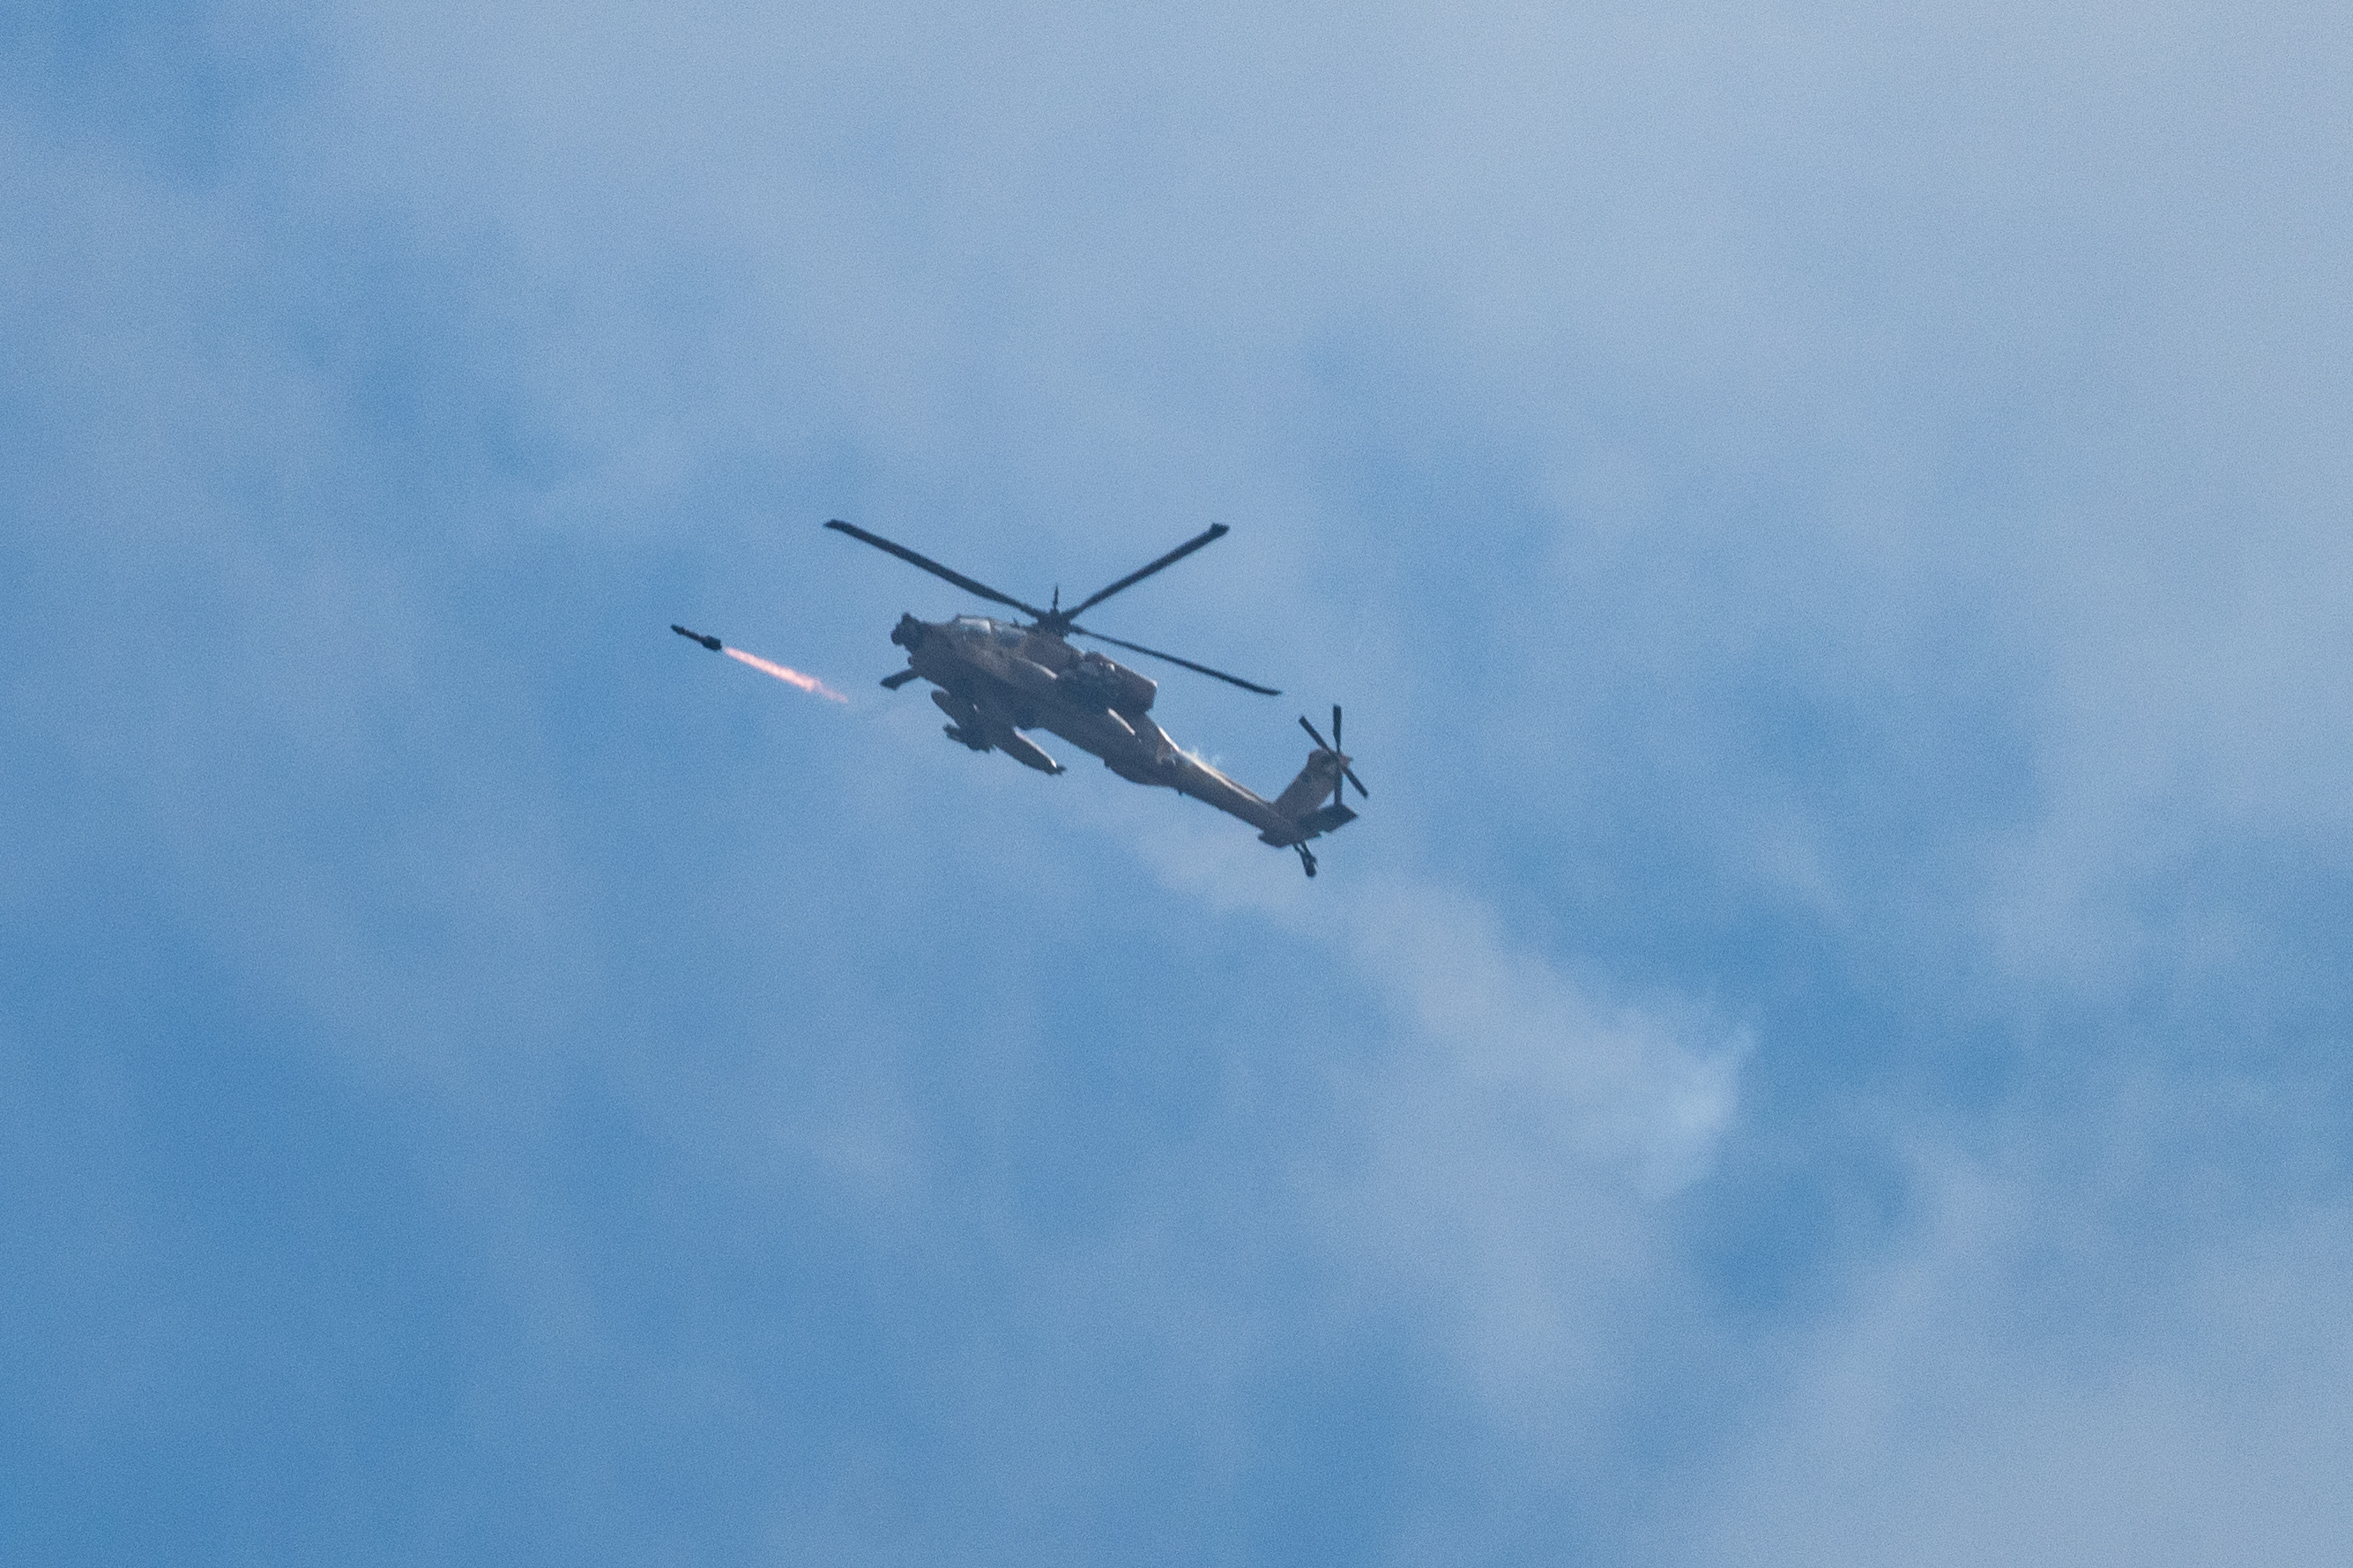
(1005, 634)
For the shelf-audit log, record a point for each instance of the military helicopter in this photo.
(997, 677)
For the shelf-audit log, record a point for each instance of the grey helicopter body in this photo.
(994, 678)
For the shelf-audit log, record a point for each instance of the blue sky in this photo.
(1826, 1046)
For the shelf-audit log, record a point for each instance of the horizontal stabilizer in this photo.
(1324, 820)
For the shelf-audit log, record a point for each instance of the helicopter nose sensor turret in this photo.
(908, 634)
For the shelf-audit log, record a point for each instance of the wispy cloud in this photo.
(1506, 1141)
(1859, 506)
(2021, 1382)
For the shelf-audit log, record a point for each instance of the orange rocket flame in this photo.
(808, 683)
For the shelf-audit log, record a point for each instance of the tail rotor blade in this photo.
(1338, 795)
(1346, 772)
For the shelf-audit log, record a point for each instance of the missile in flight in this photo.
(810, 683)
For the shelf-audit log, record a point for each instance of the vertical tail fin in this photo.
(1315, 782)
(1298, 806)
(1304, 806)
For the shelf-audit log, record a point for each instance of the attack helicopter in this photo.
(994, 678)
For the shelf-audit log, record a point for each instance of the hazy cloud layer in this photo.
(1826, 1046)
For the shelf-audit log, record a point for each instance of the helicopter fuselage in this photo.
(996, 679)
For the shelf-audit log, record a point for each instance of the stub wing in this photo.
(981, 727)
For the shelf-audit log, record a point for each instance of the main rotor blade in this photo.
(1188, 664)
(1217, 530)
(935, 569)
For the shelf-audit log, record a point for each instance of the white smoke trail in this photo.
(810, 683)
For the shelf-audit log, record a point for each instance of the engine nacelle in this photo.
(1095, 682)
(1030, 678)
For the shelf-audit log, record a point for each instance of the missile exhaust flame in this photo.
(808, 683)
